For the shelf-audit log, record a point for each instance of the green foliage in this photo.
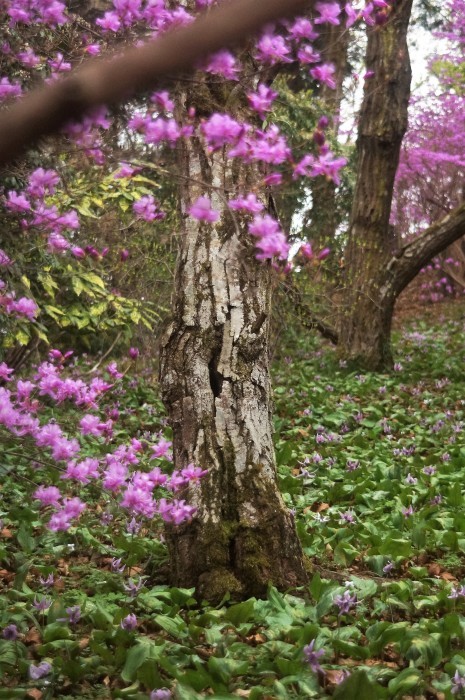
(403, 637)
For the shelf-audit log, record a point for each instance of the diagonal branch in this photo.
(306, 316)
(414, 256)
(114, 79)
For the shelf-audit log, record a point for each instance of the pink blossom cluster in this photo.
(49, 12)
(20, 406)
(86, 133)
(147, 208)
(271, 241)
(154, 14)
(31, 205)
(24, 307)
(157, 130)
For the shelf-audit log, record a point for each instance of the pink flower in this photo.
(163, 101)
(114, 477)
(193, 473)
(272, 49)
(303, 29)
(306, 250)
(273, 179)
(56, 243)
(262, 100)
(221, 130)
(202, 210)
(249, 203)
(307, 54)
(28, 58)
(160, 449)
(89, 425)
(64, 449)
(222, 63)
(78, 252)
(329, 12)
(59, 521)
(5, 372)
(73, 507)
(24, 307)
(82, 471)
(272, 246)
(147, 208)
(263, 226)
(323, 74)
(4, 259)
(110, 22)
(8, 89)
(17, 202)
(92, 49)
(272, 241)
(47, 495)
(352, 15)
(124, 171)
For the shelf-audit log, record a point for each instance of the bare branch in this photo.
(414, 256)
(112, 80)
(307, 317)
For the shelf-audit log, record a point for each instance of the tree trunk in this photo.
(324, 217)
(216, 388)
(365, 323)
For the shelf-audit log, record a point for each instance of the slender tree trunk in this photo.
(364, 334)
(323, 218)
(216, 387)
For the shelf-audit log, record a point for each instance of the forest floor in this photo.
(373, 466)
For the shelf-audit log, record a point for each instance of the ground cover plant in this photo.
(372, 467)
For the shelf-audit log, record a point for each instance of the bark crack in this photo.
(216, 378)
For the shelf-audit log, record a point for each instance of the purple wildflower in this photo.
(39, 671)
(345, 601)
(10, 633)
(312, 657)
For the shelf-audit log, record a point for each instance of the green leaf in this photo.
(134, 659)
(25, 539)
(425, 650)
(77, 285)
(56, 630)
(358, 687)
(176, 626)
(408, 679)
(242, 612)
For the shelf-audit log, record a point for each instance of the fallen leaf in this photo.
(34, 693)
(434, 569)
(447, 576)
(84, 642)
(33, 636)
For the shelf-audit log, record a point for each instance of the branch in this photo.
(306, 316)
(414, 256)
(114, 79)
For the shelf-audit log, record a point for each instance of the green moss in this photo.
(214, 585)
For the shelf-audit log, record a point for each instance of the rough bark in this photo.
(216, 387)
(366, 312)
